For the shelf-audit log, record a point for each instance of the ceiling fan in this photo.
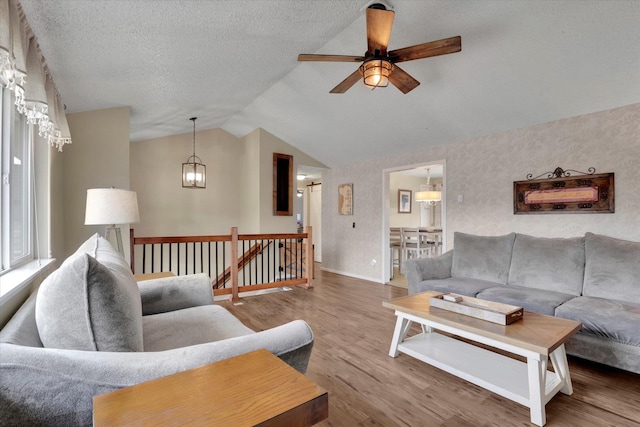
(379, 66)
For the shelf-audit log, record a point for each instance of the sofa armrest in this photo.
(175, 293)
(45, 386)
(420, 269)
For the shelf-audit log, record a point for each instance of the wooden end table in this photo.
(253, 389)
(537, 337)
(150, 276)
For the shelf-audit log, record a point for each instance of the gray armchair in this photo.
(180, 328)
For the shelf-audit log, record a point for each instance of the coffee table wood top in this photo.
(255, 388)
(535, 332)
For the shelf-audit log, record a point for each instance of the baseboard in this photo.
(355, 276)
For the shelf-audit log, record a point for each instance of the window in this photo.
(16, 214)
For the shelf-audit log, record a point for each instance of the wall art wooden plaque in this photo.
(562, 193)
(345, 199)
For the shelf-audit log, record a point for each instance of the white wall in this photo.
(250, 177)
(97, 158)
(239, 184)
(404, 182)
(483, 170)
(167, 209)
(270, 144)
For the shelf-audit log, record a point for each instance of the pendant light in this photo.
(428, 196)
(194, 172)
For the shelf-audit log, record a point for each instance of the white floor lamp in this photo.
(111, 206)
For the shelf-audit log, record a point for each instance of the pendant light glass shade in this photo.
(428, 196)
(194, 172)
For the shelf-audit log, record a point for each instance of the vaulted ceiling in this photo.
(233, 64)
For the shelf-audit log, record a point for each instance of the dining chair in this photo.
(395, 247)
(412, 244)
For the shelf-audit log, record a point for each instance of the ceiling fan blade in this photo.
(330, 58)
(379, 23)
(426, 50)
(346, 84)
(402, 80)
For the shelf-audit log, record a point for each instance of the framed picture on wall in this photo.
(404, 201)
(345, 199)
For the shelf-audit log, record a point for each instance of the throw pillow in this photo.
(100, 248)
(482, 257)
(83, 306)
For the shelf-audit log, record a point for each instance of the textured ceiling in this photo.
(233, 65)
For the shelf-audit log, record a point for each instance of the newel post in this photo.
(309, 257)
(234, 264)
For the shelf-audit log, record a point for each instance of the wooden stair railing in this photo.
(303, 260)
(244, 260)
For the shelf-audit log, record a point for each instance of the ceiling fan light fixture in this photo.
(375, 72)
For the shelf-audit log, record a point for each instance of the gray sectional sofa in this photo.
(593, 279)
(91, 329)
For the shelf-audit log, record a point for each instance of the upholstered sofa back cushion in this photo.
(549, 264)
(612, 268)
(482, 257)
(91, 304)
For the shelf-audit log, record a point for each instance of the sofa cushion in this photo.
(482, 257)
(612, 268)
(458, 285)
(83, 306)
(100, 248)
(531, 299)
(612, 320)
(553, 264)
(190, 326)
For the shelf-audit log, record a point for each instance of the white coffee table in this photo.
(536, 337)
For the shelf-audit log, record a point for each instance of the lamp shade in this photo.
(428, 196)
(111, 206)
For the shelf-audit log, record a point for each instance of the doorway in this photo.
(309, 190)
(400, 185)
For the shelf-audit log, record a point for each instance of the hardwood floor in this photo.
(368, 388)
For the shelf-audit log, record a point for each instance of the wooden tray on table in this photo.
(503, 314)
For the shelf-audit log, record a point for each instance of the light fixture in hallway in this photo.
(427, 196)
